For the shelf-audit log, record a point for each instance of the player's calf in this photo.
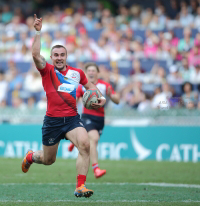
(40, 158)
(31, 157)
(49, 161)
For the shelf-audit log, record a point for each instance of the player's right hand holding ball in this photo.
(101, 103)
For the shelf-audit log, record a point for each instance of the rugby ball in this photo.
(89, 97)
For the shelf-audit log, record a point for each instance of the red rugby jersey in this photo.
(60, 88)
(103, 88)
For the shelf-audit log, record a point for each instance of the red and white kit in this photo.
(103, 88)
(61, 88)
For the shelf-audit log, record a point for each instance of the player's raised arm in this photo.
(38, 59)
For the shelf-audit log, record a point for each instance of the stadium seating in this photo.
(95, 34)
(22, 67)
(179, 32)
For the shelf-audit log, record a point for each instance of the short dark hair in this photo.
(58, 46)
(91, 64)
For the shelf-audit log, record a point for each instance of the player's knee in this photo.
(94, 141)
(85, 145)
(94, 138)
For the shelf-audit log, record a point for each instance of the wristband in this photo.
(38, 32)
(102, 97)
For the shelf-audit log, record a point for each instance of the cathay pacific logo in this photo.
(140, 150)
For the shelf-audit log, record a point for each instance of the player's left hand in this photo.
(100, 103)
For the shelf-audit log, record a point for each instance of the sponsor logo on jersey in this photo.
(66, 88)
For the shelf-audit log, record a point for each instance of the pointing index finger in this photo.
(35, 16)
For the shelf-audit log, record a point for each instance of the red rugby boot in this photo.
(99, 173)
(25, 164)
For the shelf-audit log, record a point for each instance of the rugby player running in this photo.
(61, 121)
(94, 119)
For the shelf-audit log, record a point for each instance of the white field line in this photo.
(111, 183)
(101, 201)
(170, 185)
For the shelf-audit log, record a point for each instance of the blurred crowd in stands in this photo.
(129, 36)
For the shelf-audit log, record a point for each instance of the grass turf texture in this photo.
(130, 172)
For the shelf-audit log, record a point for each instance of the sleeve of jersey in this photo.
(79, 91)
(112, 90)
(44, 71)
(83, 79)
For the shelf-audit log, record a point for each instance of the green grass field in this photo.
(126, 183)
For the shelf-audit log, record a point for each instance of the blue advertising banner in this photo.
(140, 143)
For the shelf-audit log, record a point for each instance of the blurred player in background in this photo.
(94, 119)
(60, 82)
